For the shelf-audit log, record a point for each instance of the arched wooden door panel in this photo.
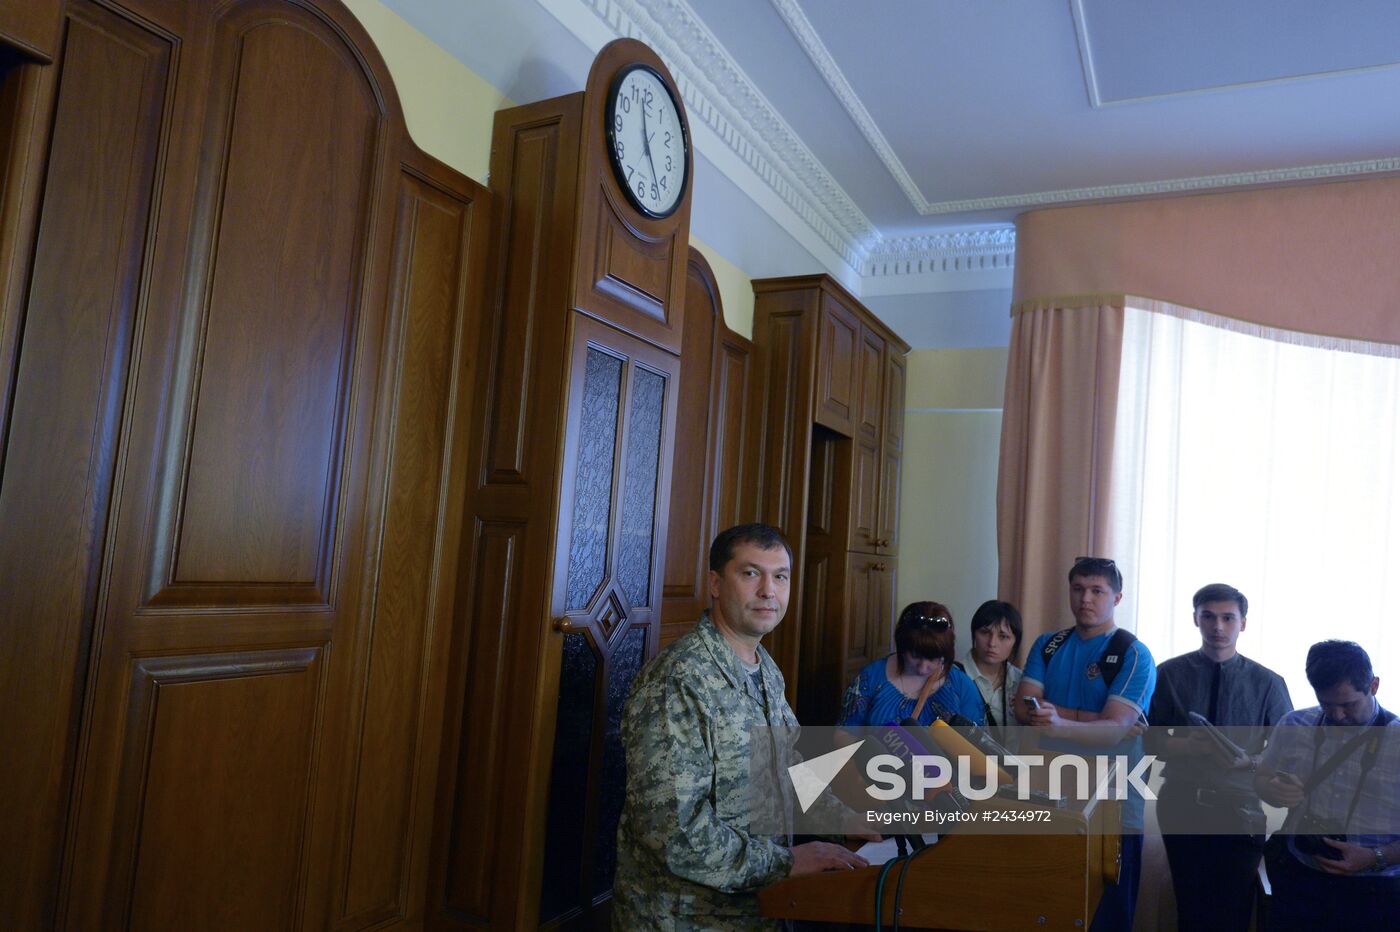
(257, 301)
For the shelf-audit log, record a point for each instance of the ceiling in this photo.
(898, 139)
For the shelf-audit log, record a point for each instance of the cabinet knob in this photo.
(878, 567)
(565, 626)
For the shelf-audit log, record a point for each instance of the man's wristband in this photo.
(1381, 862)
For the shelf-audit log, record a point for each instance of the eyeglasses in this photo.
(938, 623)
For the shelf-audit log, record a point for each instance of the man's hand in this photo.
(1355, 859)
(1279, 789)
(1046, 716)
(815, 856)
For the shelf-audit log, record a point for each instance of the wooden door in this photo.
(230, 489)
(607, 598)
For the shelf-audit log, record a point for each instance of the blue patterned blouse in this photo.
(873, 700)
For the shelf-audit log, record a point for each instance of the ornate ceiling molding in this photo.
(962, 251)
(1330, 171)
(806, 35)
(740, 130)
(720, 96)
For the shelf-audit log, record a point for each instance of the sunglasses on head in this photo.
(936, 622)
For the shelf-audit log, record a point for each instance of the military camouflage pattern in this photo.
(685, 859)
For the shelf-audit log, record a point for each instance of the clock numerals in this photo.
(648, 151)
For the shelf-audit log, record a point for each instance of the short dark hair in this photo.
(1332, 663)
(914, 635)
(1098, 566)
(1219, 592)
(764, 536)
(992, 612)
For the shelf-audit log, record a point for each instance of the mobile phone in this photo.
(1032, 703)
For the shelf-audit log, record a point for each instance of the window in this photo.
(1267, 460)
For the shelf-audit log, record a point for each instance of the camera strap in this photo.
(1336, 760)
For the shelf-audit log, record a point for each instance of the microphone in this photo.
(974, 732)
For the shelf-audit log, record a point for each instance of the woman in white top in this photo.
(996, 641)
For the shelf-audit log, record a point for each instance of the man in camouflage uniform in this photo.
(685, 856)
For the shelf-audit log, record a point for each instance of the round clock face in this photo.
(646, 141)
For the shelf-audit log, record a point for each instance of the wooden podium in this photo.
(1049, 880)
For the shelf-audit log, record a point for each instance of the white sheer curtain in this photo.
(1268, 460)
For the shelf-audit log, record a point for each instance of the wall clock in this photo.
(647, 143)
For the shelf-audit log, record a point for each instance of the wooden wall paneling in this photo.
(438, 264)
(288, 446)
(486, 809)
(695, 463)
(781, 436)
(839, 364)
(710, 468)
(892, 452)
(865, 496)
(236, 331)
(205, 861)
(32, 27)
(65, 396)
(825, 619)
(872, 384)
(27, 93)
(632, 274)
(895, 366)
(735, 470)
(880, 639)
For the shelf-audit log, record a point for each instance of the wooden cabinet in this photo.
(839, 366)
(829, 429)
(869, 611)
(563, 567)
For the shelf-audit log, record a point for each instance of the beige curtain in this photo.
(1056, 452)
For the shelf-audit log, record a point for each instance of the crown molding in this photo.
(965, 260)
(744, 128)
(1330, 172)
(738, 129)
(806, 34)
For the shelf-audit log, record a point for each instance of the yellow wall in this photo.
(449, 109)
(947, 515)
(735, 290)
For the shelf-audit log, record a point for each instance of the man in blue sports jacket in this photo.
(1092, 682)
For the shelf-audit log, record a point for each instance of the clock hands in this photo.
(646, 145)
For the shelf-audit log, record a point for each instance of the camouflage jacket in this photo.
(685, 857)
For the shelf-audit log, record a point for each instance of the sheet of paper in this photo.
(878, 852)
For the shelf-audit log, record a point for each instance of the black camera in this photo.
(1308, 835)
